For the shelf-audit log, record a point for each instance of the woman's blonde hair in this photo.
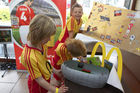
(40, 27)
(76, 47)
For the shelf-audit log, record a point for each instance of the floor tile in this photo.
(11, 76)
(6, 87)
(21, 86)
(25, 75)
(10, 50)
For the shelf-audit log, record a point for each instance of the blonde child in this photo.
(66, 51)
(40, 70)
(73, 24)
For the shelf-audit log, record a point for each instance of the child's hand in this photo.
(84, 31)
(59, 74)
(63, 89)
(82, 59)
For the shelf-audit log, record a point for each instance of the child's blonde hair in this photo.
(76, 5)
(40, 27)
(76, 47)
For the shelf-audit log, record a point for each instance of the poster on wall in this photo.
(116, 26)
(5, 24)
(21, 19)
(5, 16)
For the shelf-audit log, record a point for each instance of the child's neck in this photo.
(78, 21)
(38, 47)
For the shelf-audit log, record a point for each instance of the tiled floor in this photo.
(13, 82)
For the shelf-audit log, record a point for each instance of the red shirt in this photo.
(25, 14)
(32, 13)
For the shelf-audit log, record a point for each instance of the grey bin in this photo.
(97, 77)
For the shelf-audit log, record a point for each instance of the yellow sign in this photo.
(116, 26)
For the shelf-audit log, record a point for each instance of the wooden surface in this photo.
(129, 82)
(132, 62)
(131, 72)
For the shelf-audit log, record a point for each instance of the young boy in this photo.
(41, 29)
(73, 24)
(66, 51)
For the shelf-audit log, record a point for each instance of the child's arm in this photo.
(58, 73)
(71, 33)
(82, 31)
(49, 87)
(45, 84)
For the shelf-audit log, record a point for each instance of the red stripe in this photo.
(30, 64)
(72, 23)
(66, 35)
(56, 59)
(62, 52)
(66, 52)
(78, 23)
(27, 62)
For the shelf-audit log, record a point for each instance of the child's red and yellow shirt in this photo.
(61, 55)
(72, 25)
(36, 63)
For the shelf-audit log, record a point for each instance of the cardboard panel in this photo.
(115, 26)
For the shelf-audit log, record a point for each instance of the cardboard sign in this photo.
(116, 26)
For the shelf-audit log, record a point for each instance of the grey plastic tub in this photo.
(97, 77)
